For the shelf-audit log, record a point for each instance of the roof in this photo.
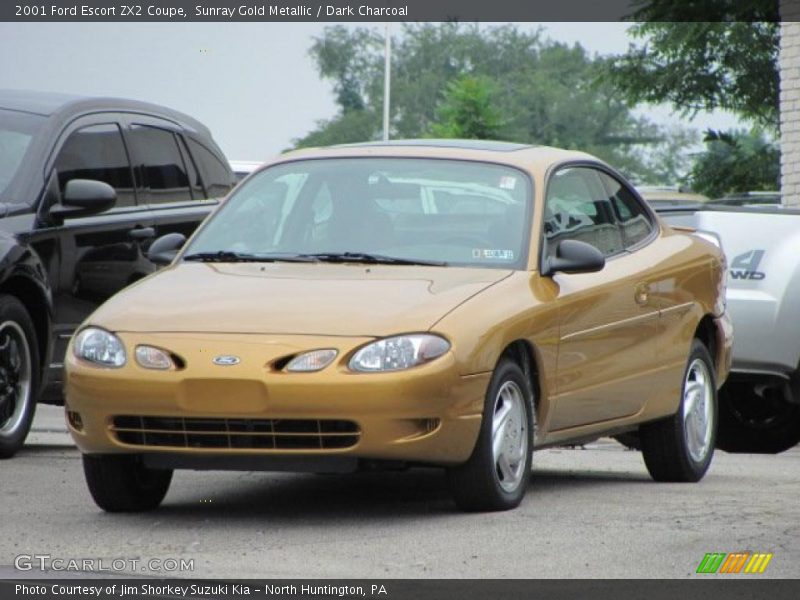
(49, 104)
(491, 145)
(517, 155)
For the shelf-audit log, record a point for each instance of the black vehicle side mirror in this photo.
(574, 256)
(84, 197)
(164, 250)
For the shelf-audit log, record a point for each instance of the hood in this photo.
(290, 298)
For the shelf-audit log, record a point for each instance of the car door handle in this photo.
(142, 233)
(642, 293)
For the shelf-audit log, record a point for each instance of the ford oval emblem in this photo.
(226, 360)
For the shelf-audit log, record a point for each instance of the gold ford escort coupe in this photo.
(447, 303)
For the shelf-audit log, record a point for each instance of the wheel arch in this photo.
(524, 354)
(36, 302)
(706, 332)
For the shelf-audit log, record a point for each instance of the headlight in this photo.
(308, 362)
(150, 357)
(397, 353)
(100, 347)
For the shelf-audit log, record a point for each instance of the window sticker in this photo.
(493, 253)
(508, 182)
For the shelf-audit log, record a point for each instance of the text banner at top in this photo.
(342, 10)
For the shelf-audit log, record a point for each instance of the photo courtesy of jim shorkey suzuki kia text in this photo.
(177, 590)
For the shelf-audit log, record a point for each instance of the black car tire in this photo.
(121, 483)
(19, 375)
(758, 424)
(666, 445)
(479, 484)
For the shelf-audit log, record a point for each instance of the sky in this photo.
(253, 84)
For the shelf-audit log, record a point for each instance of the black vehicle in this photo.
(86, 184)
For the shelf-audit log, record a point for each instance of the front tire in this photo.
(496, 475)
(19, 375)
(680, 448)
(121, 483)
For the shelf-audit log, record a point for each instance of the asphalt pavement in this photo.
(591, 512)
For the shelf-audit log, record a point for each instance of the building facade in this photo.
(790, 102)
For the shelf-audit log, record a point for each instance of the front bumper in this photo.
(428, 414)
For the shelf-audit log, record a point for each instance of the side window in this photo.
(634, 220)
(191, 169)
(97, 152)
(160, 164)
(216, 176)
(577, 208)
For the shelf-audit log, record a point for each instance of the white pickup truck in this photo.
(760, 404)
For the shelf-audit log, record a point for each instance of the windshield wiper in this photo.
(230, 256)
(376, 259)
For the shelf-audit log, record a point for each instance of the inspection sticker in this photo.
(507, 182)
(493, 253)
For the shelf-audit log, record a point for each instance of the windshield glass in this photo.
(360, 209)
(16, 131)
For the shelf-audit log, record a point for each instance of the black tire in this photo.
(19, 375)
(121, 483)
(665, 448)
(755, 423)
(478, 484)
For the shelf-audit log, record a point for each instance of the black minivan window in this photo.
(160, 164)
(97, 152)
(17, 130)
(215, 174)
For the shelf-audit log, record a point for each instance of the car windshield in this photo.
(16, 132)
(375, 210)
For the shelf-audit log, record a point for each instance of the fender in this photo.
(23, 275)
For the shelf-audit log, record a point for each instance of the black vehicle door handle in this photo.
(142, 233)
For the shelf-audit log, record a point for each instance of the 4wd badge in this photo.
(745, 266)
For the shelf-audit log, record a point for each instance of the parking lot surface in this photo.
(591, 512)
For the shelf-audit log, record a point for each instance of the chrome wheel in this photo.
(15, 378)
(698, 410)
(509, 436)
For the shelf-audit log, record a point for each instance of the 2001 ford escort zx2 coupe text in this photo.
(443, 303)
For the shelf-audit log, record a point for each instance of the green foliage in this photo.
(524, 88)
(467, 112)
(348, 128)
(704, 65)
(736, 161)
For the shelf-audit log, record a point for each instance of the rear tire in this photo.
(756, 423)
(121, 483)
(496, 476)
(680, 448)
(19, 375)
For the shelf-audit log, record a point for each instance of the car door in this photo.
(88, 258)
(607, 322)
(177, 186)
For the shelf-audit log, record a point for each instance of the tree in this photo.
(728, 60)
(467, 111)
(703, 55)
(736, 161)
(539, 92)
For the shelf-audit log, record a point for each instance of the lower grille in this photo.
(276, 434)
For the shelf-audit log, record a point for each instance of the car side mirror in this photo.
(574, 256)
(164, 250)
(84, 197)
